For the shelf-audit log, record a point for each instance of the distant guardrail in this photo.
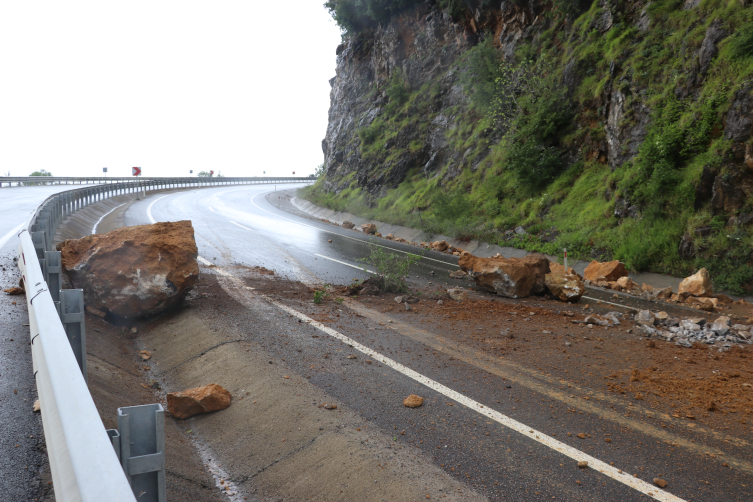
(193, 180)
(87, 462)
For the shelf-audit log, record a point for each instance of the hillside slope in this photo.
(617, 129)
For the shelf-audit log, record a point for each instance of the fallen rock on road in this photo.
(136, 271)
(198, 400)
(513, 277)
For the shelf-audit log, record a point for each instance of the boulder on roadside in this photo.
(663, 294)
(627, 284)
(14, 291)
(698, 284)
(513, 277)
(565, 286)
(389, 237)
(440, 245)
(368, 228)
(458, 274)
(198, 400)
(707, 304)
(607, 271)
(348, 224)
(134, 272)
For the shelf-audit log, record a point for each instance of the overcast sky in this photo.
(239, 87)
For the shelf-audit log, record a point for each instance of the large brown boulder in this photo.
(513, 277)
(368, 228)
(606, 272)
(203, 399)
(134, 272)
(566, 286)
(698, 284)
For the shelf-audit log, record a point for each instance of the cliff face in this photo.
(659, 128)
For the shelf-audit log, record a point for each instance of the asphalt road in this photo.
(237, 226)
(24, 471)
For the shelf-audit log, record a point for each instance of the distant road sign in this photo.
(104, 169)
(293, 173)
(136, 171)
(211, 173)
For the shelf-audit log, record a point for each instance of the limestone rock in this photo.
(698, 284)
(567, 287)
(413, 401)
(458, 295)
(607, 271)
(368, 228)
(198, 400)
(389, 237)
(348, 224)
(134, 272)
(14, 291)
(513, 277)
(663, 294)
(458, 274)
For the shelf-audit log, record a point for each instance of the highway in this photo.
(238, 227)
(508, 425)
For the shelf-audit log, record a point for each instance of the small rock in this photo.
(204, 399)
(661, 316)
(369, 228)
(458, 274)
(15, 291)
(95, 312)
(440, 302)
(134, 331)
(329, 240)
(440, 245)
(36, 408)
(645, 317)
(583, 464)
(660, 482)
(145, 355)
(458, 295)
(352, 356)
(399, 299)
(328, 406)
(348, 224)
(413, 401)
(408, 308)
(581, 435)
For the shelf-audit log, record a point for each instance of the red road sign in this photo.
(136, 171)
(211, 173)
(293, 172)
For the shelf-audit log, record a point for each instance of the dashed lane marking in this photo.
(344, 263)
(567, 450)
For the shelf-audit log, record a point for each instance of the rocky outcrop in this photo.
(513, 277)
(205, 399)
(134, 272)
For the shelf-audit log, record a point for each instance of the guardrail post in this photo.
(53, 259)
(142, 450)
(72, 316)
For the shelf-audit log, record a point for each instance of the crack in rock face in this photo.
(134, 272)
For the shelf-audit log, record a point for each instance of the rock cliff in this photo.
(654, 137)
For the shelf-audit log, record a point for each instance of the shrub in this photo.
(742, 43)
(391, 267)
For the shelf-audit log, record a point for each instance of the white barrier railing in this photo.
(83, 461)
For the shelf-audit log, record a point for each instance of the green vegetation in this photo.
(529, 152)
(319, 295)
(354, 16)
(392, 268)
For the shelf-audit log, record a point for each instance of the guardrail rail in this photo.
(87, 462)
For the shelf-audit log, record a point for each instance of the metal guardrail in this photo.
(187, 181)
(88, 463)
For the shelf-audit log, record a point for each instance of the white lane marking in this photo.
(94, 228)
(5, 238)
(567, 450)
(345, 236)
(346, 264)
(149, 209)
(604, 301)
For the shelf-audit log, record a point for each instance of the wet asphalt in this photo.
(240, 227)
(24, 470)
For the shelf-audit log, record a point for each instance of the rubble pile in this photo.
(686, 332)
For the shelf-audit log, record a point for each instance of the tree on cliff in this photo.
(356, 15)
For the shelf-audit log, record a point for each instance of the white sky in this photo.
(239, 87)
